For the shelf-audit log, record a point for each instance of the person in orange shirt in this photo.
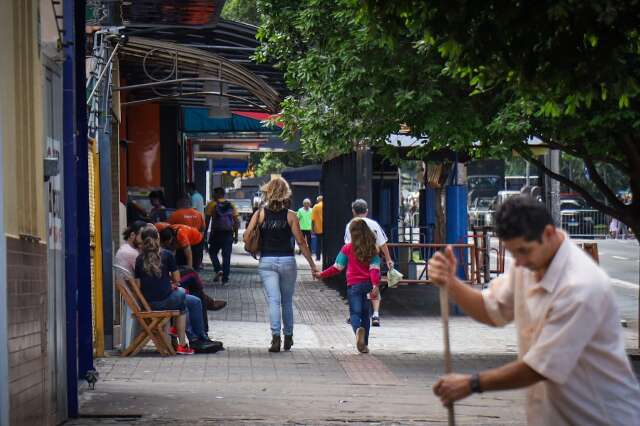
(189, 244)
(185, 215)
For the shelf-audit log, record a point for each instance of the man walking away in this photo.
(304, 216)
(360, 209)
(317, 225)
(223, 223)
(571, 357)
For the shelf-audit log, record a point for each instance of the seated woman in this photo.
(154, 273)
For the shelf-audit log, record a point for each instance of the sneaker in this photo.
(215, 305)
(365, 350)
(375, 321)
(360, 332)
(173, 332)
(184, 350)
(218, 276)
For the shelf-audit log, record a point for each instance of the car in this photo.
(481, 211)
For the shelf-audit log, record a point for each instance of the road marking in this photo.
(624, 284)
(620, 257)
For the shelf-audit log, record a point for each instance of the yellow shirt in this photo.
(316, 217)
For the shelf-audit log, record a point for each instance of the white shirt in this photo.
(125, 259)
(381, 237)
(569, 331)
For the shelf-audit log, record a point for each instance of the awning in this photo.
(197, 120)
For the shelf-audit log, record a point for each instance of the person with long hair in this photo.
(155, 273)
(278, 269)
(361, 259)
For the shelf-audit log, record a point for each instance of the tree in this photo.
(571, 68)
(481, 78)
(241, 11)
(266, 163)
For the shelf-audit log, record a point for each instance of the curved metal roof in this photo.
(166, 71)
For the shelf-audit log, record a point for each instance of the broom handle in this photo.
(444, 310)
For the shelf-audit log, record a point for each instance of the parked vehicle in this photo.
(481, 211)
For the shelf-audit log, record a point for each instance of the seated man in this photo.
(189, 244)
(190, 280)
(125, 258)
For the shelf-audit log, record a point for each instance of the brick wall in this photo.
(27, 298)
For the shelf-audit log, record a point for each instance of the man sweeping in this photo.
(571, 347)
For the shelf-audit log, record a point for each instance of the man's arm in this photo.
(188, 254)
(387, 257)
(442, 271)
(515, 375)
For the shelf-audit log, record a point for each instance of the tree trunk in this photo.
(439, 234)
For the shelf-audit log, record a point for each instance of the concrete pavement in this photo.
(323, 380)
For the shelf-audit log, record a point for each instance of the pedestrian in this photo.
(317, 221)
(304, 216)
(189, 244)
(361, 259)
(156, 274)
(278, 269)
(196, 198)
(158, 212)
(571, 347)
(223, 223)
(187, 215)
(360, 210)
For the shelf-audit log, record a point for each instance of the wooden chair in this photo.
(152, 322)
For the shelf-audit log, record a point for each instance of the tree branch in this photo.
(580, 154)
(618, 214)
(600, 183)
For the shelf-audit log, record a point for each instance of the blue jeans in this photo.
(360, 307)
(195, 319)
(278, 276)
(224, 242)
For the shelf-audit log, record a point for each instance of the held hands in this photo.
(452, 388)
(316, 273)
(374, 293)
(442, 267)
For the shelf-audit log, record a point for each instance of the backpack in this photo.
(223, 220)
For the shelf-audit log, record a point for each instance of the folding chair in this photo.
(152, 322)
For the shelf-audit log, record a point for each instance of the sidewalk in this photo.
(323, 380)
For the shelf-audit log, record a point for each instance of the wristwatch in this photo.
(474, 383)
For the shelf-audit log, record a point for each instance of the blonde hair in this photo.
(363, 240)
(277, 194)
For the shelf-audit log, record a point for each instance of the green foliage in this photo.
(481, 77)
(275, 162)
(242, 11)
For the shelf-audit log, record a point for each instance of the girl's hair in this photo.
(363, 240)
(277, 194)
(151, 262)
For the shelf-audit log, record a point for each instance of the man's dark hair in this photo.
(522, 217)
(359, 206)
(135, 228)
(167, 235)
(218, 193)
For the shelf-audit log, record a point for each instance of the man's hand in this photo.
(442, 267)
(390, 264)
(452, 388)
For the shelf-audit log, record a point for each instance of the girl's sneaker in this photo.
(360, 332)
(184, 350)
(173, 332)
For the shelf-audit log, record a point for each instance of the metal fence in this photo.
(588, 223)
